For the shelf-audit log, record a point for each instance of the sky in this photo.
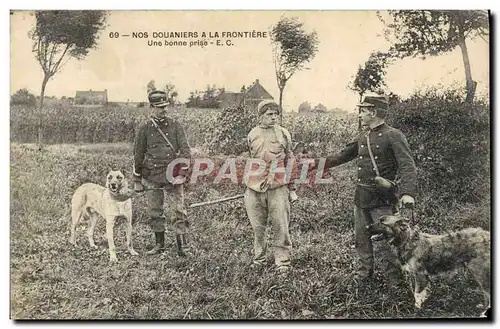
(124, 65)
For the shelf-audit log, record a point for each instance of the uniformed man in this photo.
(159, 141)
(268, 194)
(377, 192)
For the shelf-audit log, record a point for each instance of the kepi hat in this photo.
(378, 102)
(158, 98)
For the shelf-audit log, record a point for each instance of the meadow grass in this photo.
(50, 279)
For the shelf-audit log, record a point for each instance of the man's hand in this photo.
(293, 196)
(138, 187)
(183, 171)
(313, 163)
(178, 180)
(406, 201)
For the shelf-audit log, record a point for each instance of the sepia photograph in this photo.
(250, 165)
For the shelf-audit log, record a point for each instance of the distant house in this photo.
(91, 97)
(252, 96)
(220, 98)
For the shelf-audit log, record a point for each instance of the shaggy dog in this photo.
(113, 201)
(423, 255)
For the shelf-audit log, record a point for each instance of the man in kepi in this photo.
(159, 141)
(269, 191)
(383, 156)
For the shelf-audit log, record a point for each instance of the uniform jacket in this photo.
(394, 161)
(152, 153)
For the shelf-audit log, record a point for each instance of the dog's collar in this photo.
(119, 196)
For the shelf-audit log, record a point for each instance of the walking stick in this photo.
(204, 203)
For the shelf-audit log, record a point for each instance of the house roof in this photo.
(257, 87)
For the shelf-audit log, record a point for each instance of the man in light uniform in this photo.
(268, 194)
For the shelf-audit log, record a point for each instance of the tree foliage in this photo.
(305, 107)
(434, 32)
(208, 98)
(23, 97)
(151, 86)
(450, 142)
(169, 88)
(320, 108)
(293, 47)
(59, 35)
(233, 125)
(370, 76)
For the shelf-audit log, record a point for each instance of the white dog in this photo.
(110, 202)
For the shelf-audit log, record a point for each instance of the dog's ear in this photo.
(404, 225)
(126, 174)
(106, 180)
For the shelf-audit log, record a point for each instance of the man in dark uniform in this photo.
(392, 160)
(153, 152)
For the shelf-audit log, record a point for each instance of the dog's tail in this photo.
(78, 202)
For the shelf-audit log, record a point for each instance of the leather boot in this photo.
(181, 244)
(160, 244)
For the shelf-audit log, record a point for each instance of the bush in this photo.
(23, 97)
(450, 142)
(232, 126)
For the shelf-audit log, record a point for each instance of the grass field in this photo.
(52, 280)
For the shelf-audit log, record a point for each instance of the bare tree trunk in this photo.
(281, 104)
(40, 109)
(470, 85)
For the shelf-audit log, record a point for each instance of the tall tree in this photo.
(59, 35)
(171, 92)
(370, 76)
(434, 32)
(292, 48)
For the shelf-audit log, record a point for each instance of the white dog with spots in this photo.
(113, 201)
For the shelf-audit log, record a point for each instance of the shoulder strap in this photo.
(371, 154)
(163, 135)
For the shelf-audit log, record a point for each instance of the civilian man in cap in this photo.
(376, 193)
(268, 194)
(159, 141)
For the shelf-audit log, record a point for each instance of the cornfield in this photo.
(66, 125)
